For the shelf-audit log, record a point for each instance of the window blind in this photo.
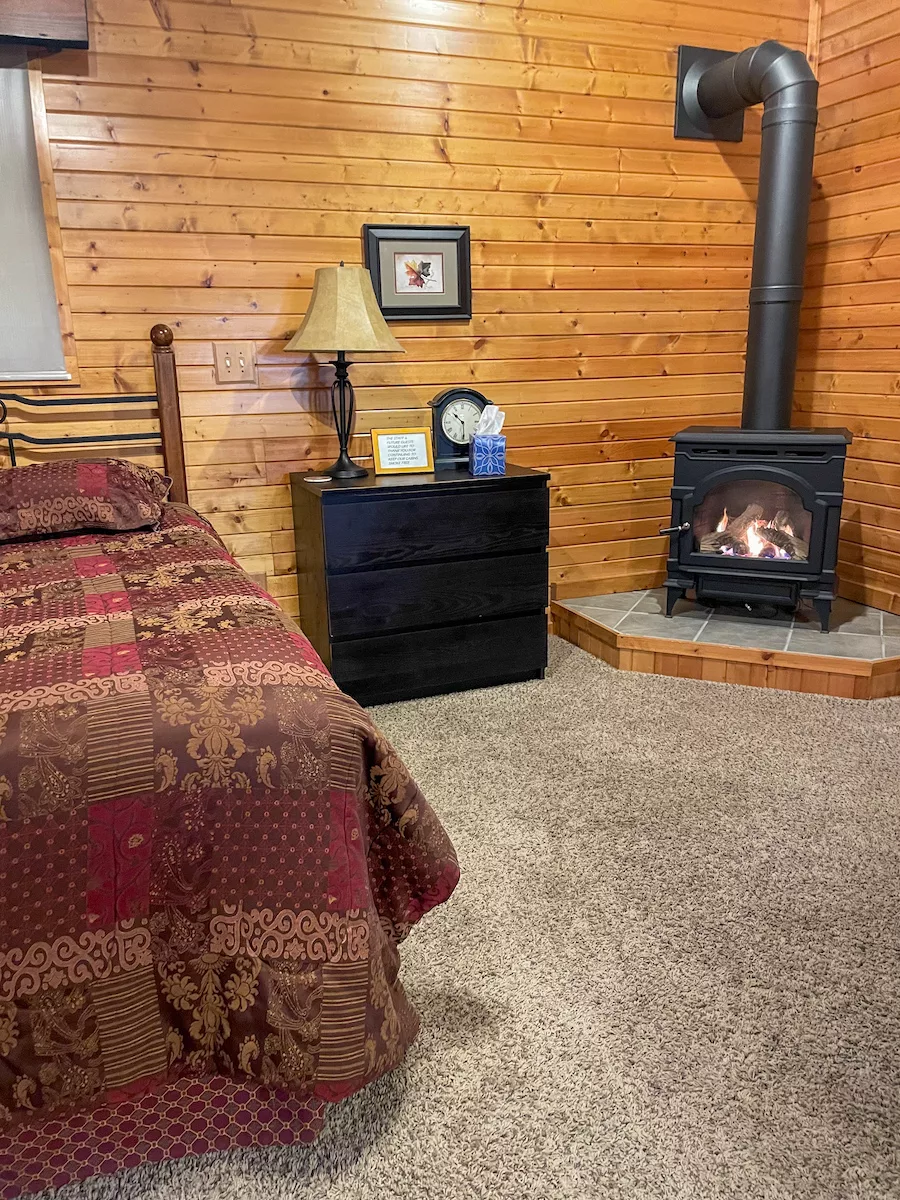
(30, 340)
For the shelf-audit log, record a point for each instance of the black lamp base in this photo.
(345, 468)
(341, 391)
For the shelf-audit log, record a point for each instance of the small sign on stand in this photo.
(402, 451)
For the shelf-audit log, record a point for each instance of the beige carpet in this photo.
(672, 969)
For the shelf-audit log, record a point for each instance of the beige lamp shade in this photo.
(343, 314)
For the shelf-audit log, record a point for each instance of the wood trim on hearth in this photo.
(847, 678)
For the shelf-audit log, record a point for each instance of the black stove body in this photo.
(756, 509)
(756, 516)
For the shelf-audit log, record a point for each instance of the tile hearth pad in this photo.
(856, 630)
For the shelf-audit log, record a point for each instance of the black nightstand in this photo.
(411, 585)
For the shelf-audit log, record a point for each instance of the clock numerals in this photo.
(459, 421)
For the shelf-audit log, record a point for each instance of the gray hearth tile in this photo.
(892, 647)
(643, 624)
(846, 617)
(891, 625)
(835, 645)
(620, 600)
(655, 602)
(605, 616)
(758, 635)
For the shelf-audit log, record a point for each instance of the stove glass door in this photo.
(753, 518)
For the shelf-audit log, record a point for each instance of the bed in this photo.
(208, 855)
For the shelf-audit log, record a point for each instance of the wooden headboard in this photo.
(167, 404)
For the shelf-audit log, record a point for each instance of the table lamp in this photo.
(343, 316)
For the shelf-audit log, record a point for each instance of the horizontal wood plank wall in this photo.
(850, 361)
(209, 156)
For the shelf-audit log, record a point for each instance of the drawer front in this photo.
(374, 602)
(396, 532)
(430, 661)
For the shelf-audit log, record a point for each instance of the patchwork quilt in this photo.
(208, 855)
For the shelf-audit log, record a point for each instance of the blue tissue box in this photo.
(487, 454)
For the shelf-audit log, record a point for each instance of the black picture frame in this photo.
(457, 237)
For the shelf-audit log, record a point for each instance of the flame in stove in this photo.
(755, 538)
(756, 544)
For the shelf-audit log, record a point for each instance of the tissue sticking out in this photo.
(491, 420)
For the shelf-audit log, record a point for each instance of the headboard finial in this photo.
(162, 336)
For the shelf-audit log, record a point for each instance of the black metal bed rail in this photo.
(97, 439)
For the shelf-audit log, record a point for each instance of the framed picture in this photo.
(420, 272)
(402, 451)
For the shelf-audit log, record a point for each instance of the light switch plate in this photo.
(235, 362)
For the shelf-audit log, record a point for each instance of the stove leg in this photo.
(823, 608)
(673, 595)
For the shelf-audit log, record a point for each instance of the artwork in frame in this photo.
(416, 274)
(420, 272)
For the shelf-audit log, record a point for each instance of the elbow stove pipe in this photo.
(783, 82)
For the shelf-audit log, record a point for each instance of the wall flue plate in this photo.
(690, 119)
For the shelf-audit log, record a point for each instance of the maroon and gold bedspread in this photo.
(208, 853)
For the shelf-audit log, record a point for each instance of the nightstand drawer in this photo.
(403, 665)
(454, 524)
(374, 602)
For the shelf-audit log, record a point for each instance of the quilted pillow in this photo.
(72, 496)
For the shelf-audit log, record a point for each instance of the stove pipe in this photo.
(783, 81)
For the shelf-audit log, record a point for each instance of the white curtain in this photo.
(30, 341)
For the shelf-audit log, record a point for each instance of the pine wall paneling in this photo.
(850, 364)
(208, 156)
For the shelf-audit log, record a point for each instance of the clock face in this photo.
(459, 420)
